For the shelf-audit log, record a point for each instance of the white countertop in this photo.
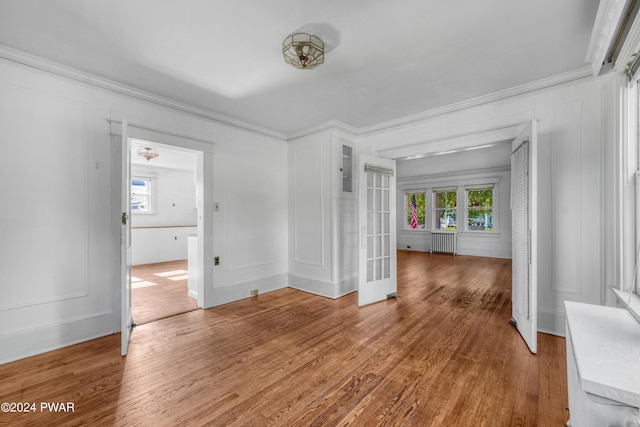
(606, 343)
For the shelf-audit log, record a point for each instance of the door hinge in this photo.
(124, 218)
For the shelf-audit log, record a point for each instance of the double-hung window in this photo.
(142, 195)
(480, 209)
(415, 211)
(446, 209)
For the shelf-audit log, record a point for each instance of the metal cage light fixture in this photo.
(302, 50)
(148, 153)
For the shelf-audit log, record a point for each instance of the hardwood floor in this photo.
(443, 354)
(160, 290)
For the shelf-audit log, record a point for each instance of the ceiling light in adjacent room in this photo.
(302, 50)
(148, 153)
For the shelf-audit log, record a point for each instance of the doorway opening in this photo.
(164, 230)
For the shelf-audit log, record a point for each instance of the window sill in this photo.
(628, 300)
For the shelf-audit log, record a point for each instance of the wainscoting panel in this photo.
(566, 146)
(43, 181)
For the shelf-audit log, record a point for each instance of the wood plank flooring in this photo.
(160, 290)
(443, 354)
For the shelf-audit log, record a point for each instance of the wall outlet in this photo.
(254, 292)
(216, 260)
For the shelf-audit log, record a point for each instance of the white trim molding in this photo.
(42, 64)
(604, 30)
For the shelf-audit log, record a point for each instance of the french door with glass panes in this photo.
(377, 221)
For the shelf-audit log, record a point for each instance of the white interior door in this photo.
(524, 196)
(125, 241)
(377, 224)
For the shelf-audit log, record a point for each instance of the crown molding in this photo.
(55, 68)
(604, 30)
(555, 80)
(58, 69)
(328, 125)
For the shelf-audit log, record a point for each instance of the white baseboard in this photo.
(26, 343)
(193, 294)
(238, 291)
(313, 286)
(552, 322)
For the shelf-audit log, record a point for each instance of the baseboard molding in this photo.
(238, 291)
(552, 322)
(313, 286)
(346, 286)
(193, 294)
(31, 342)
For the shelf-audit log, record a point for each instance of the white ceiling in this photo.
(169, 157)
(386, 59)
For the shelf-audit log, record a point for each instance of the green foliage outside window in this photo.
(446, 210)
(480, 209)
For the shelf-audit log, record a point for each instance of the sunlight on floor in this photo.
(171, 273)
(142, 284)
(176, 278)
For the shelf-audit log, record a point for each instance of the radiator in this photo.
(444, 242)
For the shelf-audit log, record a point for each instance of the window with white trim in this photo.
(479, 209)
(415, 210)
(142, 191)
(445, 209)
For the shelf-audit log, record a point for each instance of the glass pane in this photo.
(385, 181)
(139, 203)
(370, 223)
(416, 210)
(369, 180)
(378, 201)
(480, 198)
(378, 227)
(370, 199)
(139, 186)
(378, 180)
(480, 219)
(385, 200)
(378, 251)
(385, 245)
(378, 268)
(385, 223)
(370, 247)
(446, 220)
(369, 270)
(346, 169)
(387, 268)
(452, 199)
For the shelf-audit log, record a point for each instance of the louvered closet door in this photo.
(523, 212)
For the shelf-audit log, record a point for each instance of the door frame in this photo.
(204, 198)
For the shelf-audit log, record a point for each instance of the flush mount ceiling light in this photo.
(148, 153)
(302, 50)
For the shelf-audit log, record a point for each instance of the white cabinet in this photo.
(603, 366)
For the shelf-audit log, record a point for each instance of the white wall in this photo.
(175, 197)
(570, 182)
(60, 225)
(162, 235)
(323, 220)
